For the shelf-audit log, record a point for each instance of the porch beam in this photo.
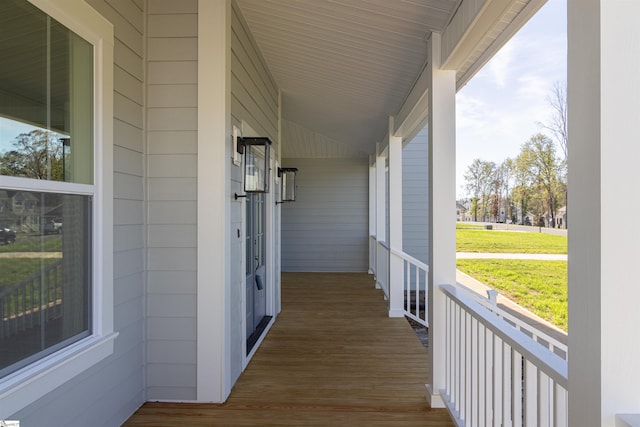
(396, 264)
(604, 105)
(442, 226)
(412, 116)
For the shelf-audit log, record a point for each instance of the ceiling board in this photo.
(344, 66)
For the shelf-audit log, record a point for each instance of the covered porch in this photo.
(333, 358)
(339, 88)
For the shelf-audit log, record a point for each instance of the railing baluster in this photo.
(467, 366)
(544, 400)
(481, 395)
(456, 356)
(531, 394)
(516, 392)
(488, 375)
(406, 285)
(561, 417)
(447, 344)
(415, 310)
(506, 384)
(497, 381)
(473, 389)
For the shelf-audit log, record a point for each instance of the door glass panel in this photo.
(256, 318)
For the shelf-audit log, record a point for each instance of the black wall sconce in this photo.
(287, 184)
(256, 164)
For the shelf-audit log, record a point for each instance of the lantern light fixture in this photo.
(287, 184)
(256, 164)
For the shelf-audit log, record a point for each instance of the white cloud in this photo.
(500, 67)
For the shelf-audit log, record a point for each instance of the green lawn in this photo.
(34, 244)
(539, 286)
(496, 241)
(468, 226)
(15, 270)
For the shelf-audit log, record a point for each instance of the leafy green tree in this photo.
(36, 154)
(479, 179)
(522, 191)
(539, 157)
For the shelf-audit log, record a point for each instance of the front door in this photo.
(256, 280)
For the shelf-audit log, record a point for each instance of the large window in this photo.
(46, 135)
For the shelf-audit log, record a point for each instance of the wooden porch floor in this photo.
(333, 358)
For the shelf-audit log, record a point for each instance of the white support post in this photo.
(381, 204)
(381, 196)
(442, 199)
(214, 207)
(604, 106)
(372, 213)
(396, 265)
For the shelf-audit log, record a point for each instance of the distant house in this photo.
(461, 212)
(19, 210)
(561, 217)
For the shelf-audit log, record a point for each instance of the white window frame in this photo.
(25, 386)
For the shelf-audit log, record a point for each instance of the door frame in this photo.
(270, 282)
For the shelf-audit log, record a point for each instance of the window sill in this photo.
(27, 385)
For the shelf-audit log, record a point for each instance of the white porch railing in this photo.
(495, 374)
(382, 267)
(416, 278)
(559, 348)
(32, 302)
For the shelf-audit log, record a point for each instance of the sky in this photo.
(9, 129)
(503, 105)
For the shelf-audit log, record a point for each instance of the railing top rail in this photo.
(383, 244)
(518, 322)
(547, 361)
(405, 256)
(30, 279)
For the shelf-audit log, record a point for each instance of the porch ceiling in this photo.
(344, 66)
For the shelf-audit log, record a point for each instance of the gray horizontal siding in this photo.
(326, 228)
(415, 193)
(172, 199)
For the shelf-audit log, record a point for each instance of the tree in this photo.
(479, 181)
(558, 126)
(540, 157)
(522, 191)
(502, 179)
(36, 154)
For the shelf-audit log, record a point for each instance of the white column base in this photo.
(434, 399)
(396, 313)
